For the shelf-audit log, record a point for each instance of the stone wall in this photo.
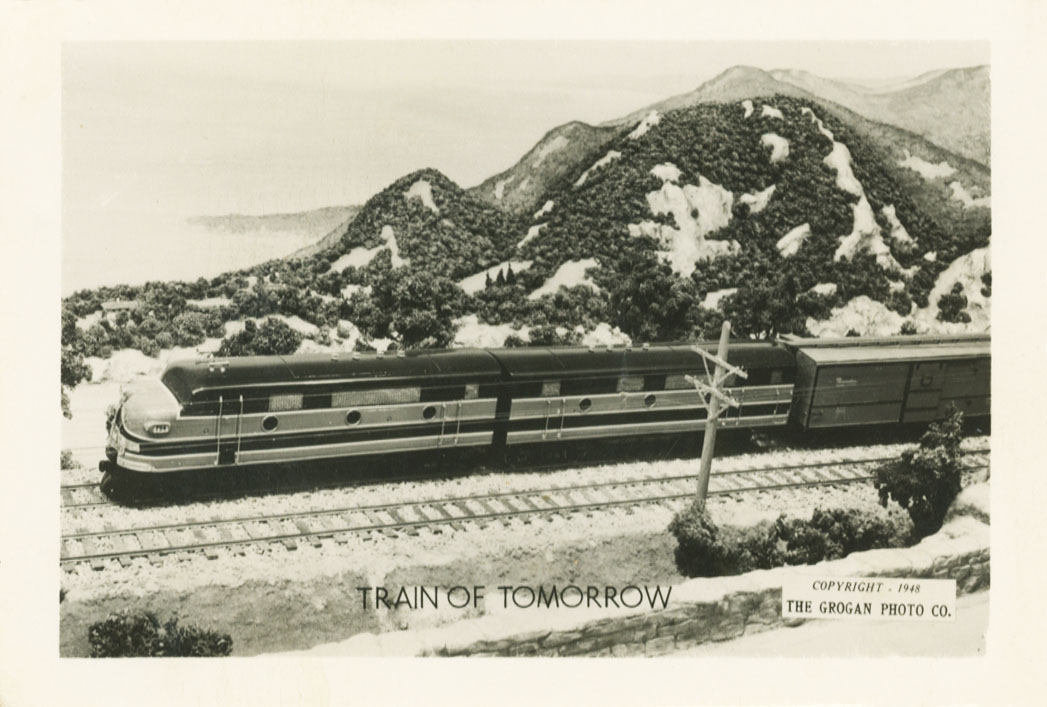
(699, 610)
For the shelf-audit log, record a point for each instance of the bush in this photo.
(273, 337)
(128, 633)
(700, 552)
(706, 550)
(951, 306)
(833, 533)
(68, 462)
(926, 479)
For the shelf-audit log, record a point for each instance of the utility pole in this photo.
(716, 397)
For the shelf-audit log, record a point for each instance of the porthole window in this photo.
(429, 412)
(269, 423)
(649, 401)
(584, 404)
(352, 417)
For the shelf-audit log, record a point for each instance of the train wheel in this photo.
(108, 484)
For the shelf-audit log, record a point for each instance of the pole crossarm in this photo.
(728, 368)
(709, 390)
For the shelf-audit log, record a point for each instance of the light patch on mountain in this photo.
(771, 112)
(790, 243)
(475, 283)
(698, 211)
(865, 235)
(748, 106)
(712, 299)
(350, 290)
(870, 318)
(423, 190)
(931, 256)
(646, 124)
(358, 257)
(966, 270)
(898, 232)
(603, 335)
(969, 202)
(546, 208)
(927, 170)
(865, 316)
(606, 159)
(532, 232)
(471, 332)
(500, 185)
(757, 201)
(667, 172)
(778, 144)
(361, 256)
(824, 288)
(557, 143)
(570, 274)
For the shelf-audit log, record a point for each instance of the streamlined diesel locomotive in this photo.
(259, 410)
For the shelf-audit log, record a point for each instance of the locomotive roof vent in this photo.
(356, 355)
(628, 347)
(591, 348)
(646, 346)
(334, 355)
(400, 353)
(379, 354)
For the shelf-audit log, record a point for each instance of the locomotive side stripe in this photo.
(433, 429)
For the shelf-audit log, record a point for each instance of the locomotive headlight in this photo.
(158, 428)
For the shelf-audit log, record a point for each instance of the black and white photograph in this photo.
(460, 348)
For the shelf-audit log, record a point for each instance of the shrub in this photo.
(926, 479)
(700, 552)
(273, 337)
(128, 633)
(833, 533)
(68, 462)
(951, 306)
(706, 550)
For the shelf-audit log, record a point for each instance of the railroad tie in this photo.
(405, 526)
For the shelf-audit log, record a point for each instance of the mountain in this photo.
(950, 108)
(426, 220)
(750, 199)
(544, 167)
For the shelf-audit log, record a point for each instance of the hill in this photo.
(785, 213)
(545, 167)
(950, 108)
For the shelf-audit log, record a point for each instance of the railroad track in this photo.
(339, 525)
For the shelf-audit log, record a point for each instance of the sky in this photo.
(181, 128)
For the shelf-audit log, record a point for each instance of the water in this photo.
(112, 248)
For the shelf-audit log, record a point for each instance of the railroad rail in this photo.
(341, 524)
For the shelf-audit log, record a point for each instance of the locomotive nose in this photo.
(149, 410)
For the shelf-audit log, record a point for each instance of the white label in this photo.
(877, 598)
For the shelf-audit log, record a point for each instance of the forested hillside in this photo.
(774, 212)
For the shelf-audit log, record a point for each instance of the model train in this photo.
(289, 409)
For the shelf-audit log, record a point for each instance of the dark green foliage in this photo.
(926, 479)
(832, 533)
(951, 305)
(651, 303)
(415, 309)
(67, 461)
(74, 370)
(987, 284)
(908, 329)
(700, 551)
(127, 633)
(274, 337)
(707, 550)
